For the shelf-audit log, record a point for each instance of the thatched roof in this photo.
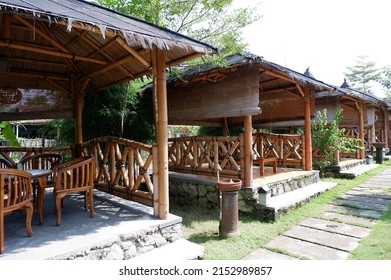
(272, 75)
(45, 43)
(346, 91)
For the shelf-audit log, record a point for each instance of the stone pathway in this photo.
(343, 224)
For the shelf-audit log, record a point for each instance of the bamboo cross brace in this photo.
(206, 152)
(230, 159)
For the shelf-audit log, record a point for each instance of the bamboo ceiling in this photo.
(44, 43)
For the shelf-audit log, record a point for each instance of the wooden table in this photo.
(41, 176)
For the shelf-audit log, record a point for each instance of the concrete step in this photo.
(180, 249)
(280, 204)
(357, 170)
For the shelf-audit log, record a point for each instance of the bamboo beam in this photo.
(307, 129)
(59, 114)
(47, 51)
(361, 129)
(101, 50)
(140, 58)
(300, 90)
(159, 70)
(108, 67)
(248, 163)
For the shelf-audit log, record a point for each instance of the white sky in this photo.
(325, 35)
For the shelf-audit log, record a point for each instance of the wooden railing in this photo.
(205, 155)
(286, 148)
(124, 167)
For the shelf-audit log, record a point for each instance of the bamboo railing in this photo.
(124, 167)
(286, 148)
(205, 155)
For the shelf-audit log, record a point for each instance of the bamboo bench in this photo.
(261, 162)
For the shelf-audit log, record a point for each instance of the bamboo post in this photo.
(242, 156)
(155, 181)
(361, 129)
(386, 131)
(78, 111)
(195, 154)
(159, 71)
(216, 156)
(307, 130)
(336, 158)
(248, 163)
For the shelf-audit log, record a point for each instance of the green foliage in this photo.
(363, 74)
(120, 111)
(7, 133)
(329, 138)
(218, 131)
(195, 18)
(385, 81)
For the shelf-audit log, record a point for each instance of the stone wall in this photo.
(127, 246)
(195, 190)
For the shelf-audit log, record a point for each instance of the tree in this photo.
(7, 134)
(210, 21)
(363, 74)
(329, 138)
(385, 81)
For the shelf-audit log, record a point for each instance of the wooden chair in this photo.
(41, 161)
(5, 163)
(74, 176)
(15, 194)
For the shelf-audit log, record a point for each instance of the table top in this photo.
(39, 172)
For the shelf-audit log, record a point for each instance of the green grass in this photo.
(377, 245)
(201, 226)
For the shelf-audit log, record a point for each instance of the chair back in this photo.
(41, 161)
(15, 194)
(5, 163)
(16, 188)
(78, 173)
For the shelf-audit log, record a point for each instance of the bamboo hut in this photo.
(250, 92)
(52, 52)
(364, 115)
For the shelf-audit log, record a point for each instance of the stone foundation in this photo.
(127, 246)
(199, 191)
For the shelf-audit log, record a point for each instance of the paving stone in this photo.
(306, 249)
(264, 254)
(361, 212)
(336, 227)
(361, 204)
(372, 193)
(367, 199)
(349, 219)
(320, 237)
(374, 185)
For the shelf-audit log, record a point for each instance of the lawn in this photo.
(201, 226)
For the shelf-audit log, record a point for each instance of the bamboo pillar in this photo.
(160, 89)
(77, 111)
(155, 181)
(225, 127)
(307, 129)
(361, 130)
(386, 132)
(248, 142)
